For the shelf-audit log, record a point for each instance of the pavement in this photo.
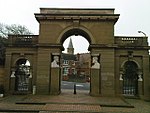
(67, 102)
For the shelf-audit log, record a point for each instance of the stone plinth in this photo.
(95, 82)
(55, 81)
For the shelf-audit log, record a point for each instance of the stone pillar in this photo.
(43, 71)
(2, 74)
(146, 77)
(95, 76)
(12, 80)
(118, 85)
(7, 76)
(140, 84)
(108, 73)
(121, 82)
(55, 74)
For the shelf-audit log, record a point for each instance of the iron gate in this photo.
(22, 79)
(130, 86)
(130, 78)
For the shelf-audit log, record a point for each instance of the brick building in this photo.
(77, 65)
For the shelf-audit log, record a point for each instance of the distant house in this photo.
(84, 63)
(68, 65)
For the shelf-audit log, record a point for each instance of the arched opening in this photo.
(80, 44)
(75, 32)
(75, 62)
(130, 78)
(22, 75)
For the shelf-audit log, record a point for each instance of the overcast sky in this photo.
(134, 14)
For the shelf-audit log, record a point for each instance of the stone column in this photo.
(95, 75)
(121, 82)
(12, 80)
(43, 71)
(146, 77)
(140, 84)
(7, 68)
(55, 74)
(108, 73)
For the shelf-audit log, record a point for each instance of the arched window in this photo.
(130, 78)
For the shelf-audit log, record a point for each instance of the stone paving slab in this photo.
(75, 99)
(16, 107)
(50, 108)
(72, 107)
(66, 97)
(70, 103)
(68, 112)
(60, 103)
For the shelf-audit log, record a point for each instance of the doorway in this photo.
(22, 75)
(130, 79)
(75, 74)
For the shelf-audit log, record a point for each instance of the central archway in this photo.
(97, 26)
(69, 31)
(75, 32)
(75, 74)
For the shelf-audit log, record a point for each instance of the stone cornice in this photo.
(108, 17)
(47, 45)
(76, 14)
(77, 10)
(134, 47)
(97, 46)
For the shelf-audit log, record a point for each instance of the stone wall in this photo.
(2, 73)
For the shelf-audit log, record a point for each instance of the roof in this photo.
(68, 56)
(70, 44)
(77, 10)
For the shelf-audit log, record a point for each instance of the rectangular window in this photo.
(65, 71)
(65, 61)
(73, 71)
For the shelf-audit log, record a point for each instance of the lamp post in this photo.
(75, 92)
(142, 33)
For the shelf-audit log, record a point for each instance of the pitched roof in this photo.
(68, 56)
(70, 44)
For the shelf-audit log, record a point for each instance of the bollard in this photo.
(34, 90)
(75, 89)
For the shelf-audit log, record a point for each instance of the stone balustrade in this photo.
(23, 40)
(30, 40)
(131, 41)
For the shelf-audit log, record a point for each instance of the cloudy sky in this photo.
(134, 14)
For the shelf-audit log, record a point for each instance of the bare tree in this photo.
(5, 30)
(14, 29)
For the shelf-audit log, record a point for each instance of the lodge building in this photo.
(119, 64)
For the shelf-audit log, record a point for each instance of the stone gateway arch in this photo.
(110, 53)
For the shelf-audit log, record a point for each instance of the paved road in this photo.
(79, 86)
